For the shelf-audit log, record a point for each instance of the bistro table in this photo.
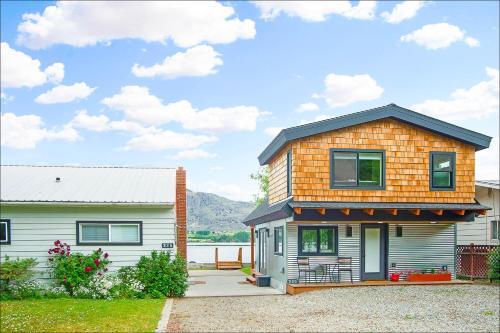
(329, 269)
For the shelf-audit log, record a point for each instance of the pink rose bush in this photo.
(73, 270)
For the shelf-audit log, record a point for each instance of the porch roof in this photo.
(363, 211)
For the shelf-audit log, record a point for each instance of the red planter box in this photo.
(428, 277)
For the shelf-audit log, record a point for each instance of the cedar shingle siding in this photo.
(407, 150)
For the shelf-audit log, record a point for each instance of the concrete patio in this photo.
(214, 283)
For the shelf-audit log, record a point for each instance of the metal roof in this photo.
(478, 140)
(384, 205)
(87, 185)
(265, 213)
(489, 183)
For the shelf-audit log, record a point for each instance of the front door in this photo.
(373, 251)
(262, 250)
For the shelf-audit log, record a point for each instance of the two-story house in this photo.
(383, 187)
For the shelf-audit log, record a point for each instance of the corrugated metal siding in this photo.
(422, 246)
(34, 231)
(348, 247)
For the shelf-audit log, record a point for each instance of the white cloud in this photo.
(342, 90)
(20, 70)
(487, 162)
(272, 131)
(472, 42)
(163, 140)
(403, 11)
(479, 101)
(65, 94)
(438, 36)
(192, 154)
(83, 23)
(101, 123)
(139, 105)
(5, 97)
(230, 191)
(216, 168)
(316, 11)
(200, 60)
(25, 132)
(307, 107)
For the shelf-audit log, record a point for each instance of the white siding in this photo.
(479, 231)
(422, 246)
(33, 231)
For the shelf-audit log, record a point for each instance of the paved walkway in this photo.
(206, 283)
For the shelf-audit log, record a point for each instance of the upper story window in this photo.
(111, 233)
(357, 168)
(442, 171)
(289, 173)
(4, 231)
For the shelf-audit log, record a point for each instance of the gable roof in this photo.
(478, 140)
(87, 185)
(495, 184)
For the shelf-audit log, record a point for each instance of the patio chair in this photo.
(304, 267)
(344, 265)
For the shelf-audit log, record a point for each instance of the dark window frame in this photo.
(453, 171)
(318, 228)
(399, 231)
(348, 231)
(8, 232)
(289, 172)
(78, 242)
(356, 151)
(276, 247)
(497, 222)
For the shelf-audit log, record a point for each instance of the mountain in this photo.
(208, 211)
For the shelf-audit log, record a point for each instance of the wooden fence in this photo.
(472, 260)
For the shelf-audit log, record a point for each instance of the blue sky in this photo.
(207, 85)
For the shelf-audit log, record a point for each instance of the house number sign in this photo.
(167, 245)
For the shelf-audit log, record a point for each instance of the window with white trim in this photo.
(4, 231)
(119, 233)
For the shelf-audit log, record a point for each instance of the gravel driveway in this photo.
(464, 308)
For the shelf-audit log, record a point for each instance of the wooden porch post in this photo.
(252, 244)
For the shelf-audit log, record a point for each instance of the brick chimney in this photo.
(180, 211)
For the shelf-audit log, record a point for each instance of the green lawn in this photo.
(80, 315)
(247, 270)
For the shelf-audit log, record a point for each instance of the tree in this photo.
(262, 176)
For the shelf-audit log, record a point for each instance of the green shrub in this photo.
(73, 270)
(15, 271)
(494, 264)
(161, 276)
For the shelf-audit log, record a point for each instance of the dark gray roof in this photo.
(283, 209)
(478, 140)
(384, 205)
(265, 213)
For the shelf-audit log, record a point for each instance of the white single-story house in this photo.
(126, 211)
(484, 230)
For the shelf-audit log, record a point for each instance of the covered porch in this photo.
(370, 241)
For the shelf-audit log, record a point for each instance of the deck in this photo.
(298, 288)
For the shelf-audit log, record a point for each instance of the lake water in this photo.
(205, 252)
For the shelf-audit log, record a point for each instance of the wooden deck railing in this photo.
(472, 260)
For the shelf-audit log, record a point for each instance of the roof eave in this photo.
(88, 204)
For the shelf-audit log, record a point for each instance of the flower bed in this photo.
(429, 277)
